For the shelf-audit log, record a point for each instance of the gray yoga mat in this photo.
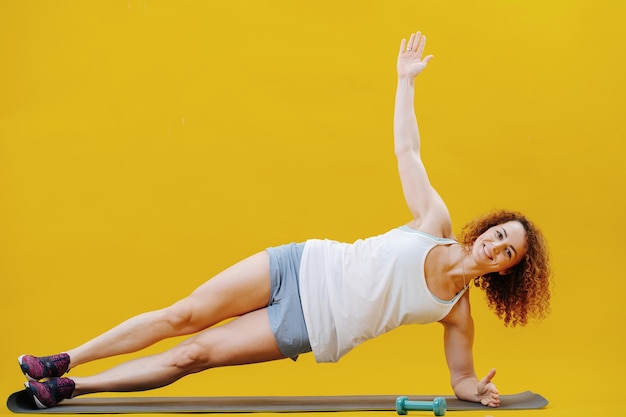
(20, 402)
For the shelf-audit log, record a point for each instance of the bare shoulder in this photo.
(461, 314)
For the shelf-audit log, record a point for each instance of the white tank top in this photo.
(354, 292)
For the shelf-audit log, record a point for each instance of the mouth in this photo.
(486, 252)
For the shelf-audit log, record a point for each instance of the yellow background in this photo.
(145, 145)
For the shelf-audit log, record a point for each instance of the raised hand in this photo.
(410, 61)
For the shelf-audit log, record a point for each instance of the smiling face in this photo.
(500, 247)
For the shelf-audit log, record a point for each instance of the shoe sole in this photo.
(38, 403)
(28, 377)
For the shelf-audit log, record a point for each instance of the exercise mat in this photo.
(20, 402)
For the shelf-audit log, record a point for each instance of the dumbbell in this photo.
(438, 405)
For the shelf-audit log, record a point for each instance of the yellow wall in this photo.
(146, 145)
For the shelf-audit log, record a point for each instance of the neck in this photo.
(457, 266)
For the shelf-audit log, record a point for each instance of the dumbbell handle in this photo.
(438, 405)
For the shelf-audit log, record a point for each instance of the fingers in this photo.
(415, 44)
(421, 43)
(412, 41)
(487, 379)
(486, 384)
(412, 44)
(410, 61)
(402, 45)
(487, 391)
(491, 399)
(491, 374)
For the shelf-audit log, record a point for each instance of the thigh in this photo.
(240, 289)
(244, 340)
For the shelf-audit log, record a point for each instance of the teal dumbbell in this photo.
(438, 405)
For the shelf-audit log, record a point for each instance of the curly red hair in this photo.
(524, 292)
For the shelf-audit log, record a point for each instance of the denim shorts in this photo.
(285, 308)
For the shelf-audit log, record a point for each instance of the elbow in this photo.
(402, 151)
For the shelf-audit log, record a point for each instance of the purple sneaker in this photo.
(35, 368)
(50, 393)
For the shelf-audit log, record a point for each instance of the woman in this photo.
(417, 273)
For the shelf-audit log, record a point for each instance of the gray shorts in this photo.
(285, 307)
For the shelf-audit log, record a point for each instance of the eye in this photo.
(508, 252)
(499, 234)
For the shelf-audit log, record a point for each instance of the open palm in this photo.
(410, 60)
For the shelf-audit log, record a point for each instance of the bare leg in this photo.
(247, 339)
(240, 289)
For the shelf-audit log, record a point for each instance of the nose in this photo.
(497, 246)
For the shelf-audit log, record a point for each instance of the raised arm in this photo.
(458, 340)
(428, 209)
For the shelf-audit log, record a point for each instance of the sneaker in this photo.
(36, 369)
(50, 393)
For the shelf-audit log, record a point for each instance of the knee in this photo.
(190, 357)
(179, 317)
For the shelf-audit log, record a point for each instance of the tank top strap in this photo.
(438, 240)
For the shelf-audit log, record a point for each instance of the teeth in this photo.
(486, 253)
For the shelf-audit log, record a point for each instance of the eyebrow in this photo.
(511, 246)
